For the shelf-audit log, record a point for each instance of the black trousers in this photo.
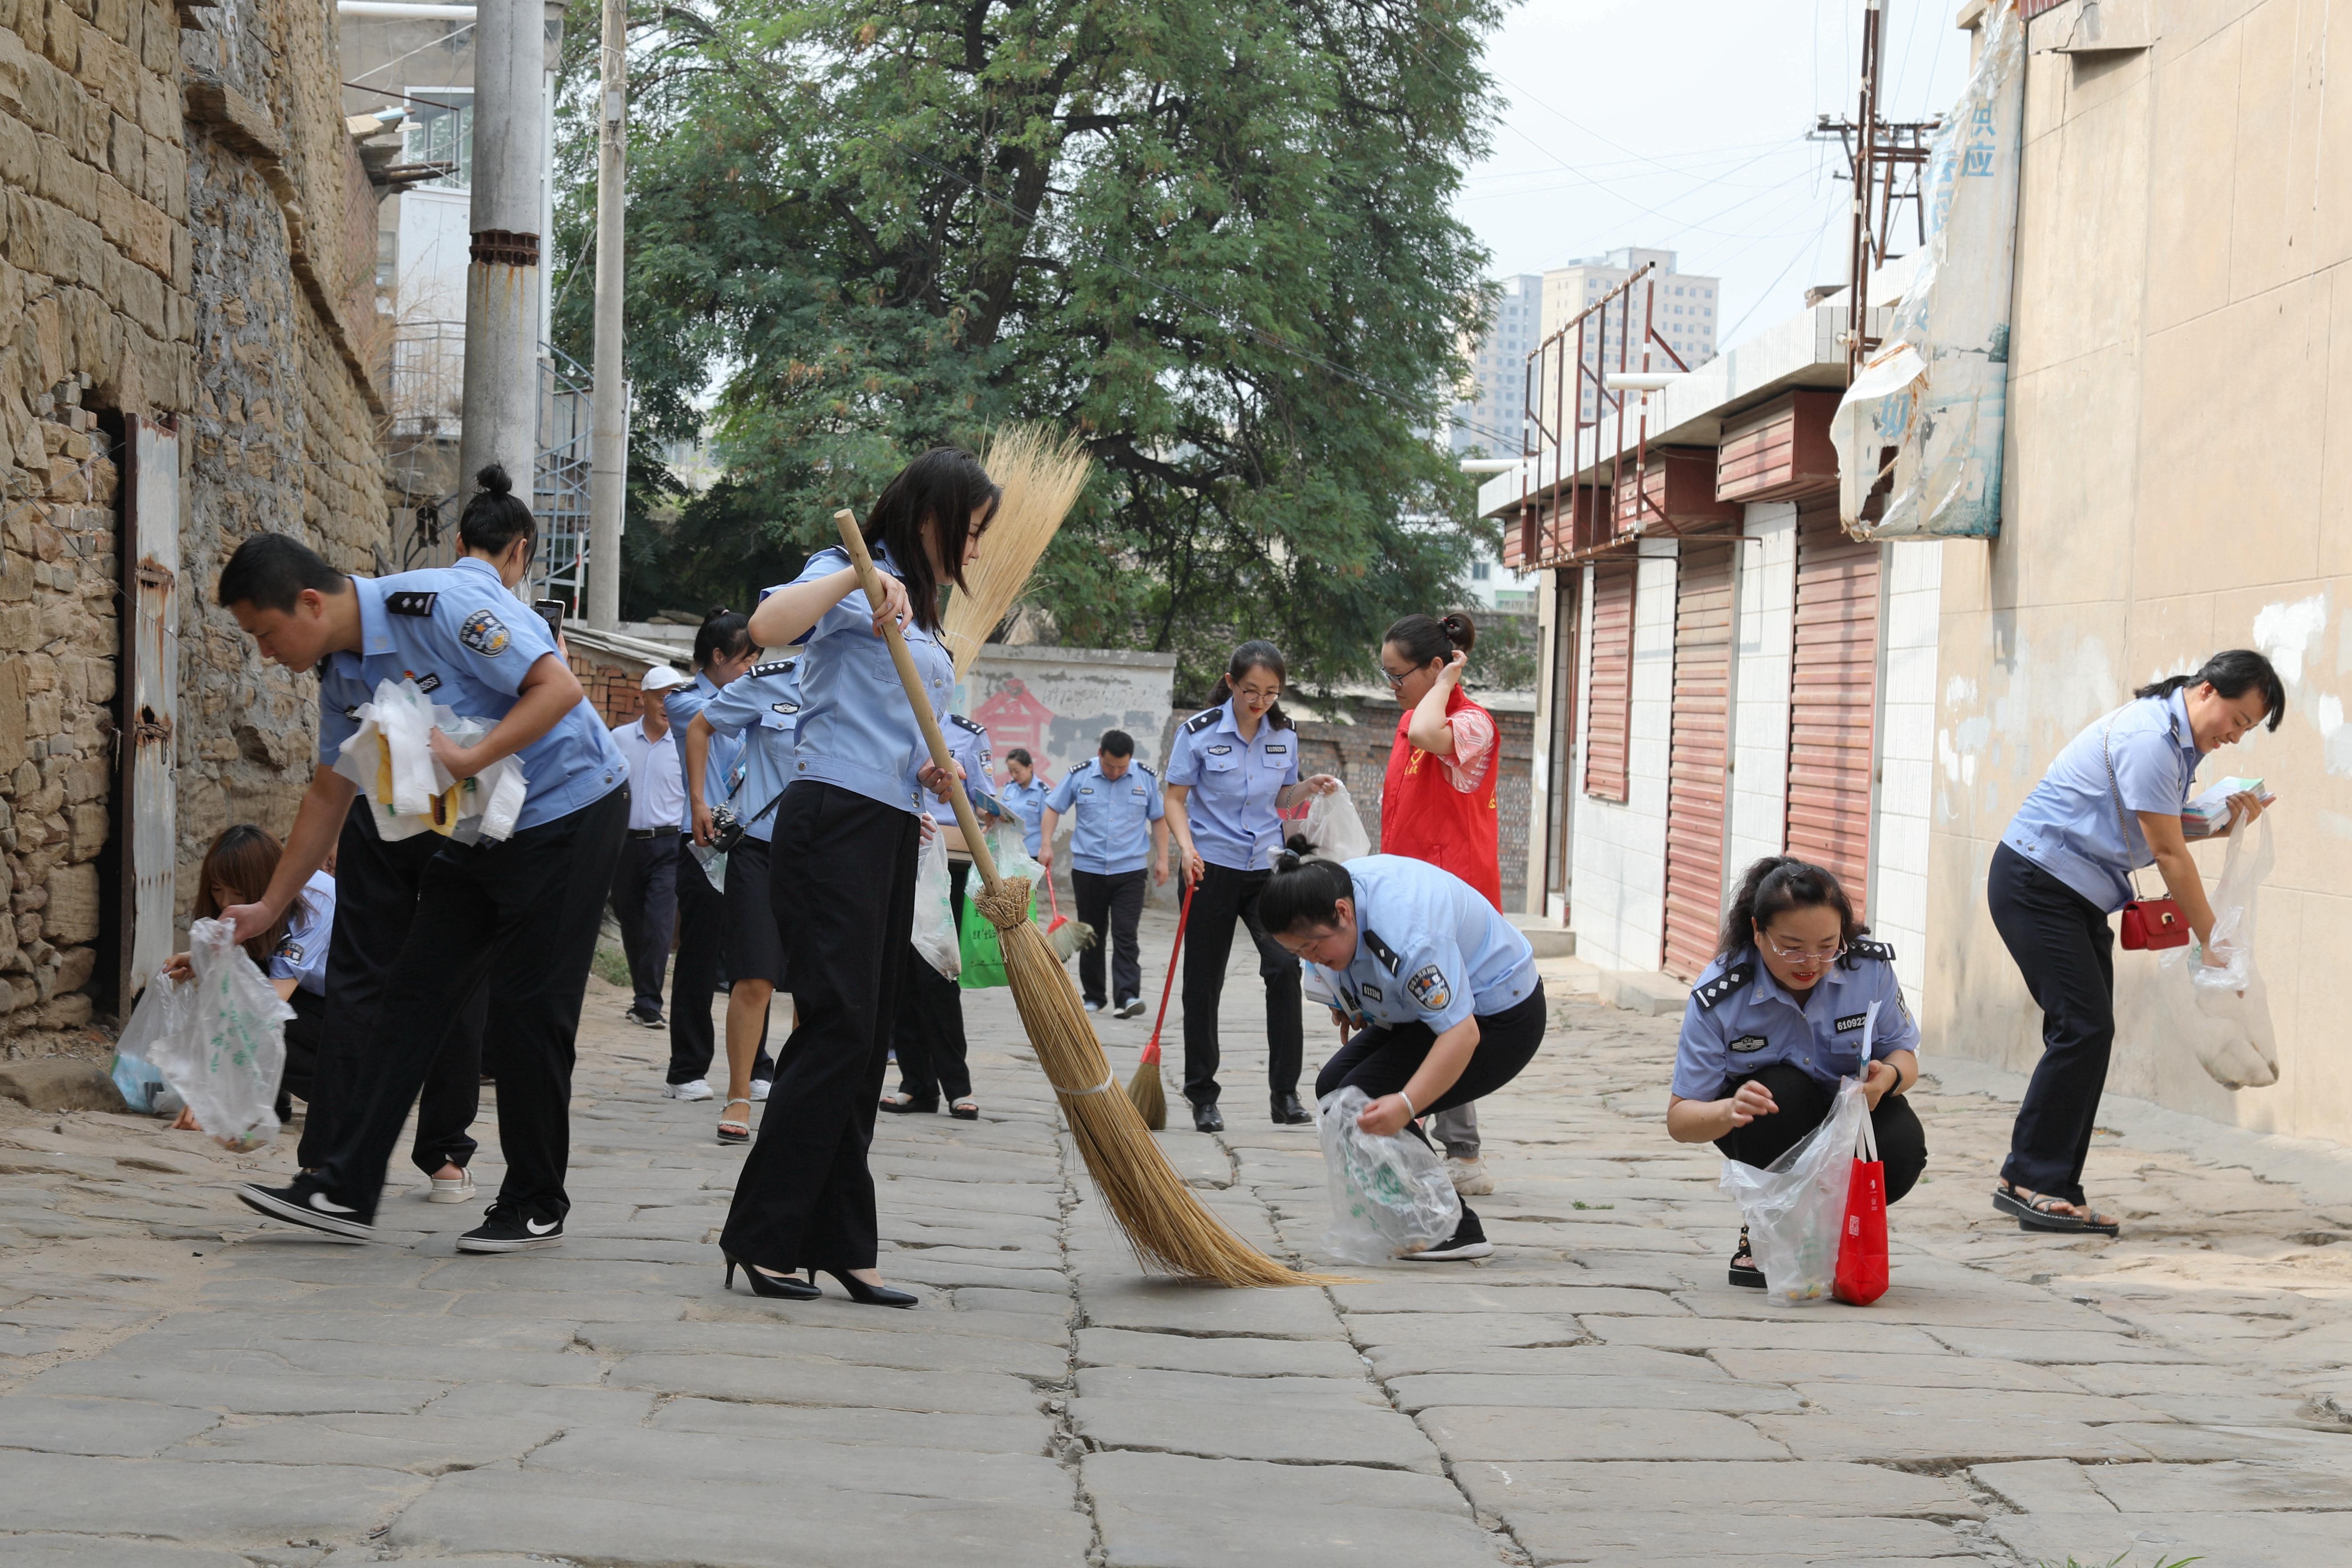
(1383, 1058)
(1804, 1101)
(701, 956)
(845, 901)
(1113, 904)
(929, 1037)
(523, 915)
(376, 889)
(2065, 950)
(644, 897)
(302, 1032)
(1224, 896)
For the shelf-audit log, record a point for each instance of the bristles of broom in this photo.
(1041, 475)
(1163, 1218)
(1143, 1091)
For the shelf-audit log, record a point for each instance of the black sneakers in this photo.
(504, 1230)
(307, 1204)
(1468, 1241)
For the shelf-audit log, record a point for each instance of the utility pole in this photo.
(503, 279)
(1877, 152)
(608, 476)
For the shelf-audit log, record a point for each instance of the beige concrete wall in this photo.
(2179, 480)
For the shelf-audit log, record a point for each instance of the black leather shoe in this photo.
(1207, 1119)
(1289, 1112)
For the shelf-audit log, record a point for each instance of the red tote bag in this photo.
(1862, 1249)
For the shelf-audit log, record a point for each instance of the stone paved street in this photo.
(184, 1388)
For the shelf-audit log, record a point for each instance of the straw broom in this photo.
(1143, 1089)
(1041, 475)
(1163, 1218)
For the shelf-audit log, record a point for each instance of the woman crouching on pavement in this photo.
(1776, 1020)
(1446, 987)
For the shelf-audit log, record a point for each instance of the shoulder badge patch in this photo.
(775, 667)
(1382, 950)
(485, 634)
(1200, 722)
(1429, 988)
(290, 951)
(1745, 1043)
(1724, 984)
(409, 602)
(1880, 951)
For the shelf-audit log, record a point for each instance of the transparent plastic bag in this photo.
(2244, 871)
(1795, 1208)
(713, 863)
(390, 757)
(1335, 828)
(936, 937)
(162, 1008)
(1391, 1196)
(2228, 1023)
(225, 1047)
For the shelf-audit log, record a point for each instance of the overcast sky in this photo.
(1681, 124)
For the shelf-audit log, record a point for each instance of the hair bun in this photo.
(1299, 844)
(1460, 630)
(493, 479)
(1288, 862)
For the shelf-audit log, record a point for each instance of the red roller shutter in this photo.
(1832, 698)
(1699, 760)
(1605, 731)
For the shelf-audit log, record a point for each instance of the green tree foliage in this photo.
(1213, 234)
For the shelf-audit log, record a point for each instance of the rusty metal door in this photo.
(1698, 767)
(147, 793)
(1608, 728)
(1834, 698)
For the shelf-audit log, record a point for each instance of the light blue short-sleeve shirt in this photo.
(723, 765)
(301, 954)
(2068, 825)
(1233, 784)
(764, 706)
(1740, 1020)
(856, 731)
(1430, 949)
(968, 744)
(1113, 816)
(468, 642)
(1026, 804)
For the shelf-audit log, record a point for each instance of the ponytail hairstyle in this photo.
(1772, 888)
(1255, 654)
(1304, 892)
(237, 871)
(1422, 640)
(495, 517)
(2230, 674)
(946, 486)
(724, 634)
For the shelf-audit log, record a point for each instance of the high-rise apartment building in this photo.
(1490, 417)
(1682, 309)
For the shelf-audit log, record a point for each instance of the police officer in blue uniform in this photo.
(1441, 988)
(1778, 1019)
(929, 1038)
(846, 897)
(1231, 772)
(1121, 819)
(760, 711)
(723, 651)
(1022, 795)
(522, 913)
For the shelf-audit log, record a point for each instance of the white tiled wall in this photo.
(1619, 909)
(1759, 713)
(1907, 748)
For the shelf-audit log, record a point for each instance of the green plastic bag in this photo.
(984, 957)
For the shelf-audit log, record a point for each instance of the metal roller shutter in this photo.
(1832, 699)
(1606, 727)
(1698, 765)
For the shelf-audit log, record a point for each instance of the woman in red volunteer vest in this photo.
(1438, 803)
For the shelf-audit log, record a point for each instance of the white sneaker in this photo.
(758, 1089)
(698, 1089)
(458, 1190)
(1469, 1176)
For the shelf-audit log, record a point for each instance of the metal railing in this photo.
(559, 496)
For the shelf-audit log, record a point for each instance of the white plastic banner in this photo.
(1932, 402)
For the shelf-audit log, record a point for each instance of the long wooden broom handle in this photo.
(911, 678)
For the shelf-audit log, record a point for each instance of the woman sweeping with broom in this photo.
(804, 1202)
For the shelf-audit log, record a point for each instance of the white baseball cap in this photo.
(661, 677)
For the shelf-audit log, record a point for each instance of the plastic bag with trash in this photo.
(224, 1049)
(1334, 827)
(1795, 1207)
(162, 1007)
(1390, 1197)
(713, 863)
(936, 937)
(2228, 1024)
(391, 759)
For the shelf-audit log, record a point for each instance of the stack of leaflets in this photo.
(2209, 813)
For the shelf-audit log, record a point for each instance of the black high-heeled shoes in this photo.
(862, 1294)
(782, 1286)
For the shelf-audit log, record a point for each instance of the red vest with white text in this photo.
(1423, 815)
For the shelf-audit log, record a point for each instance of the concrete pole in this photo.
(608, 476)
(503, 280)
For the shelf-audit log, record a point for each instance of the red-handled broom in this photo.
(1143, 1089)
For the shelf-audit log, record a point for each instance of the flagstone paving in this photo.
(183, 1387)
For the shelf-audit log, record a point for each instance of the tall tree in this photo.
(1213, 234)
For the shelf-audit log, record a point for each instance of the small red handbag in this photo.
(2147, 922)
(1861, 1247)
